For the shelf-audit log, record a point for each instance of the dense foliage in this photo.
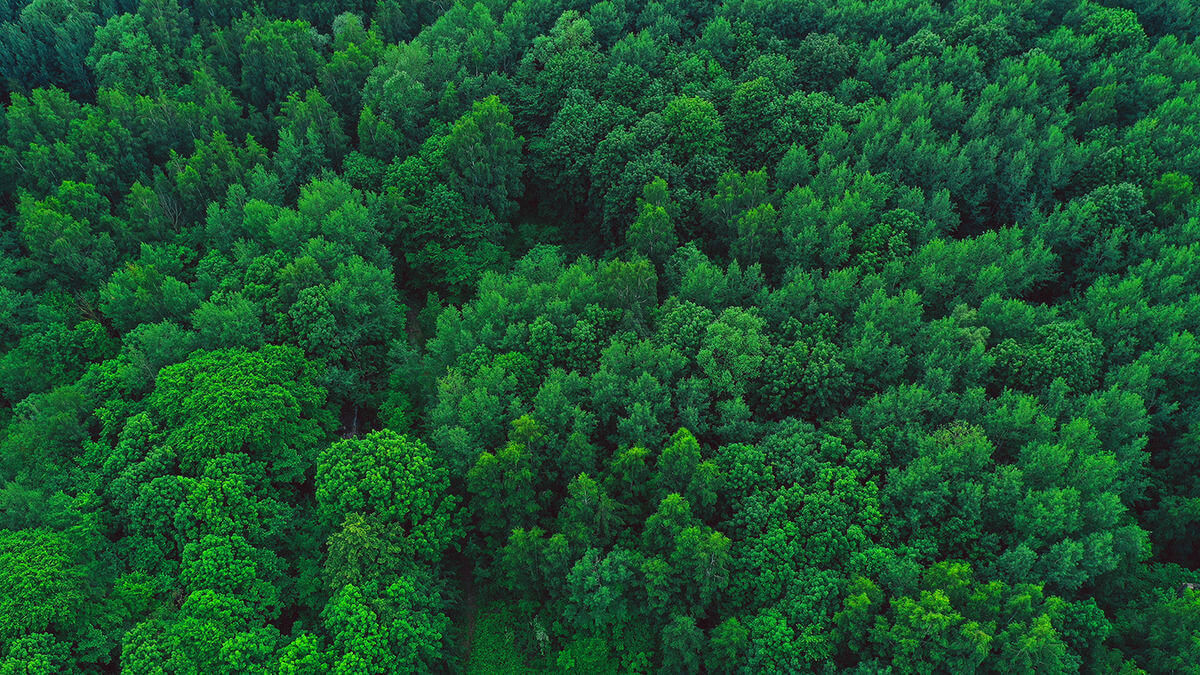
(619, 336)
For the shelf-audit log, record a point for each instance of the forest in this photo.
(631, 336)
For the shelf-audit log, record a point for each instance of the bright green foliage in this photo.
(305, 654)
(402, 627)
(147, 292)
(607, 336)
(211, 631)
(395, 480)
(36, 654)
(263, 403)
(693, 129)
(42, 587)
(232, 567)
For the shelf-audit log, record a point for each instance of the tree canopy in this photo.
(626, 336)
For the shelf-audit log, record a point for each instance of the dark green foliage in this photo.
(604, 337)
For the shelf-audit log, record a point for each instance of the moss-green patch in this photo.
(494, 642)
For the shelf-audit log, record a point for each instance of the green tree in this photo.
(66, 234)
(276, 58)
(693, 129)
(44, 589)
(264, 403)
(402, 626)
(397, 480)
(482, 159)
(652, 233)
